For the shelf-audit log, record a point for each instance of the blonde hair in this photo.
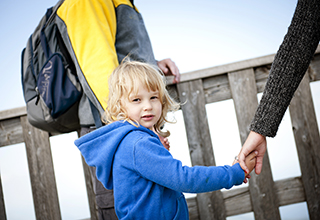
(124, 80)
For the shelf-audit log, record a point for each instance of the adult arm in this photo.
(287, 70)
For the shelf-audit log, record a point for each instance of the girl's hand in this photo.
(250, 162)
(165, 142)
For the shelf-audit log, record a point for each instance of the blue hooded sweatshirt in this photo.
(147, 181)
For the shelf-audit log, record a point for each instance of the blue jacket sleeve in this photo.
(155, 163)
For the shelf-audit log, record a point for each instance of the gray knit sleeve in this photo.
(289, 66)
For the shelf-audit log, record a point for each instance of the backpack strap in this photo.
(44, 44)
(96, 115)
(50, 14)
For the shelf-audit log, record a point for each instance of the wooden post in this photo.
(191, 94)
(89, 187)
(3, 215)
(90, 192)
(44, 190)
(262, 193)
(306, 134)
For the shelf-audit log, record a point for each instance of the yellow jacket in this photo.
(100, 33)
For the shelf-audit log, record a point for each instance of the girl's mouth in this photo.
(148, 117)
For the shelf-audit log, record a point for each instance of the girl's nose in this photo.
(147, 106)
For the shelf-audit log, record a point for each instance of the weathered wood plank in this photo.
(261, 75)
(10, 131)
(243, 90)
(90, 192)
(216, 88)
(306, 134)
(192, 96)
(43, 183)
(237, 201)
(3, 215)
(314, 68)
(290, 191)
(193, 209)
(200, 145)
(13, 113)
(89, 187)
(222, 69)
(172, 90)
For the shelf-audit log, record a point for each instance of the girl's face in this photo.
(144, 107)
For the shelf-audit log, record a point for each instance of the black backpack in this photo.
(50, 84)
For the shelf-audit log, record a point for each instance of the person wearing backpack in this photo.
(101, 34)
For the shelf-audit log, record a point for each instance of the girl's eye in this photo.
(154, 97)
(136, 100)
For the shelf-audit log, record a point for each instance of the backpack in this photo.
(50, 84)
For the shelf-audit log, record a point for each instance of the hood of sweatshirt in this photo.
(105, 141)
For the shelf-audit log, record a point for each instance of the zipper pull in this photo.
(38, 95)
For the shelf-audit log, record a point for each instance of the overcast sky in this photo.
(196, 35)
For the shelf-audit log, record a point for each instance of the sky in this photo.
(195, 35)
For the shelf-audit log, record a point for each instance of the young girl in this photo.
(130, 159)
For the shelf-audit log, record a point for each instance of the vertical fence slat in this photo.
(89, 187)
(3, 215)
(244, 94)
(90, 192)
(200, 145)
(306, 134)
(44, 190)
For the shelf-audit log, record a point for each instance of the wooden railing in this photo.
(240, 81)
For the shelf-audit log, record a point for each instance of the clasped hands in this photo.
(255, 143)
(250, 162)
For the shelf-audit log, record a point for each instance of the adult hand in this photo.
(254, 142)
(168, 67)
